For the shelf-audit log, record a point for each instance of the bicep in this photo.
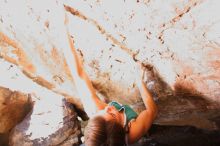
(140, 126)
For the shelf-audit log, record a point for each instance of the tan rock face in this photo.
(14, 106)
(177, 40)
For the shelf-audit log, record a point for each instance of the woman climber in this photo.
(113, 124)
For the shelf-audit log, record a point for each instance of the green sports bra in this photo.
(129, 112)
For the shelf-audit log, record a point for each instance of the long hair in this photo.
(100, 132)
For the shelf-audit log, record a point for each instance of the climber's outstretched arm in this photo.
(141, 125)
(83, 84)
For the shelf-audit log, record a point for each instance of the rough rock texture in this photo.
(178, 41)
(14, 106)
(51, 125)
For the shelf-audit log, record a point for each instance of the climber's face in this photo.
(111, 113)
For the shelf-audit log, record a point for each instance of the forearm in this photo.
(99, 104)
(86, 90)
(147, 98)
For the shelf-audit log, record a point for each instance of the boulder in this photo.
(178, 41)
(32, 114)
(52, 125)
(14, 106)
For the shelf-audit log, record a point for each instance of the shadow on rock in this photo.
(181, 136)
